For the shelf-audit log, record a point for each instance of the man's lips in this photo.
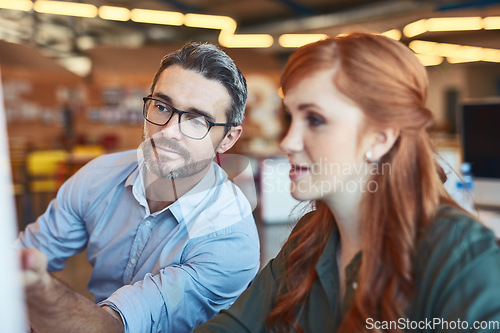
(167, 152)
(168, 148)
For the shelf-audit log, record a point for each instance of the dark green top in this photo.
(457, 278)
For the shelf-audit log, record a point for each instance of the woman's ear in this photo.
(383, 142)
(229, 139)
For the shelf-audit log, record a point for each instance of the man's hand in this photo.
(53, 307)
(34, 269)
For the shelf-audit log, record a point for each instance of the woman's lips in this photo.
(297, 171)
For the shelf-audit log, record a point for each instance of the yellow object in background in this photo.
(87, 151)
(42, 167)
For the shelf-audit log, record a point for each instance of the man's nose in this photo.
(171, 130)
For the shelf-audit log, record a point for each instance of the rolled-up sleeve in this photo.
(60, 232)
(249, 312)
(214, 271)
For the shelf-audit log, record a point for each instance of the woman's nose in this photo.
(293, 140)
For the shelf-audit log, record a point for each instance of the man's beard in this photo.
(161, 166)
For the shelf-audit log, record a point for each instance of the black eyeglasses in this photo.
(192, 125)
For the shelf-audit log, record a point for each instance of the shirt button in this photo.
(354, 285)
(147, 224)
(133, 261)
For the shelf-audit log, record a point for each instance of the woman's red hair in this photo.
(389, 84)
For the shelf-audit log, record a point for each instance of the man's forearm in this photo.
(54, 307)
(57, 308)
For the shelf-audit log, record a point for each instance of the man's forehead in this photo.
(189, 90)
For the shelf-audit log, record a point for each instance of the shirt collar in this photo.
(190, 205)
(132, 178)
(184, 208)
(328, 272)
(136, 181)
(327, 262)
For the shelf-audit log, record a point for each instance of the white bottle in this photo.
(464, 188)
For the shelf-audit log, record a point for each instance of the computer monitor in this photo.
(13, 317)
(479, 130)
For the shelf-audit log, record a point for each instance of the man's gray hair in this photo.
(213, 64)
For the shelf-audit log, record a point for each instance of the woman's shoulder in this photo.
(457, 269)
(452, 223)
(290, 244)
(303, 220)
(456, 236)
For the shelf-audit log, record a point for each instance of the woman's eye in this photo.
(287, 119)
(314, 120)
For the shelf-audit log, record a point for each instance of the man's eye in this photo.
(199, 123)
(162, 108)
(196, 120)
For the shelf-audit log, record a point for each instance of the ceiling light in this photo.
(454, 23)
(156, 17)
(209, 21)
(433, 48)
(491, 22)
(297, 40)
(393, 33)
(243, 41)
(443, 24)
(65, 8)
(23, 5)
(429, 60)
(455, 53)
(491, 55)
(448, 50)
(452, 60)
(225, 35)
(423, 47)
(114, 13)
(415, 28)
(470, 52)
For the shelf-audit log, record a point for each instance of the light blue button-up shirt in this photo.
(163, 272)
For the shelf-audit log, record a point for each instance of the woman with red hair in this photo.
(385, 249)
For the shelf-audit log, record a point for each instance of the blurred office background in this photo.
(74, 74)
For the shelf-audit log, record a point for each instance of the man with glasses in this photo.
(170, 239)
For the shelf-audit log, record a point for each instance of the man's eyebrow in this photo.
(205, 114)
(162, 96)
(169, 100)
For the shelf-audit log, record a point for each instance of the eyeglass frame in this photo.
(180, 113)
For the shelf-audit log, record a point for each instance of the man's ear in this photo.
(383, 141)
(230, 139)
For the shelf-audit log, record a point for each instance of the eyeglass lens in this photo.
(190, 124)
